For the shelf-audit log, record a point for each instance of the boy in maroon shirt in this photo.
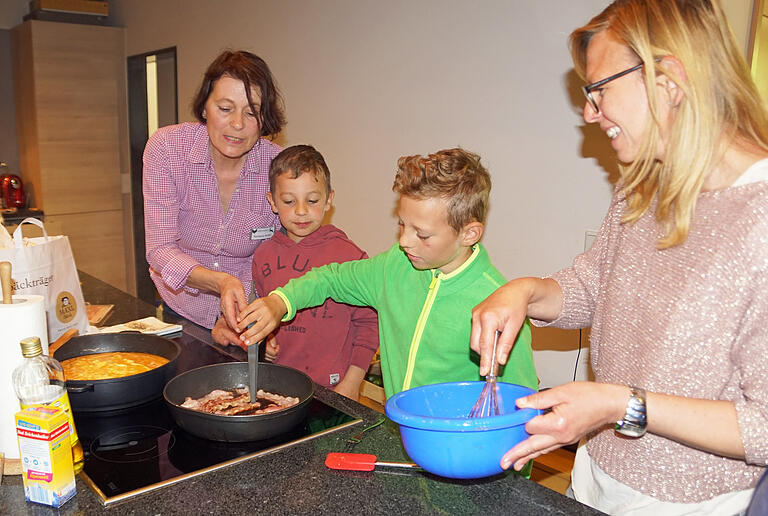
(332, 343)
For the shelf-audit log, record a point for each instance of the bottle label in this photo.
(61, 402)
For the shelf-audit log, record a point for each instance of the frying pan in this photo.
(125, 392)
(273, 378)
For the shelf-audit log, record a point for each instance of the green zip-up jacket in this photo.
(425, 316)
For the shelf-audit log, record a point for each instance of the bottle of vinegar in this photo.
(39, 380)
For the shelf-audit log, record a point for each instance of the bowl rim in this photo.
(457, 424)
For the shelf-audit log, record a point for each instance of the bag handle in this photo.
(17, 236)
(4, 236)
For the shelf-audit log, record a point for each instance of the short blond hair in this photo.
(721, 102)
(455, 175)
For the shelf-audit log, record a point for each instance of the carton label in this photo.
(46, 455)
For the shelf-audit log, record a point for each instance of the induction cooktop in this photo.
(137, 450)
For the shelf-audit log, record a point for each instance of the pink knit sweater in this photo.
(692, 321)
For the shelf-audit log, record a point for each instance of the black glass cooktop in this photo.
(142, 449)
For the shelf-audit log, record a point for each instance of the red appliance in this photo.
(12, 190)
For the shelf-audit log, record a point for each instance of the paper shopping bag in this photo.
(45, 266)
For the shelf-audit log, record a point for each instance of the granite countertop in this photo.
(294, 480)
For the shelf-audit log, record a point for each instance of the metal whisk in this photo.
(489, 403)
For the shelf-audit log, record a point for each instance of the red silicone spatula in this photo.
(360, 462)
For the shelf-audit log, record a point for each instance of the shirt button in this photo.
(215, 264)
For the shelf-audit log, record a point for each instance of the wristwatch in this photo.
(635, 420)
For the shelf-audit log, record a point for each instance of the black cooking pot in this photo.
(125, 392)
(273, 378)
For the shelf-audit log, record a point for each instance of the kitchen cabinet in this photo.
(70, 97)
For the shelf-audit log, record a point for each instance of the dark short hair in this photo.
(455, 175)
(297, 160)
(253, 72)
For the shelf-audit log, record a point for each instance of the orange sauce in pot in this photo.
(116, 364)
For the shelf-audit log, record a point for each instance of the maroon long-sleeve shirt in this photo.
(323, 341)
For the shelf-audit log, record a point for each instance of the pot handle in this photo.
(88, 387)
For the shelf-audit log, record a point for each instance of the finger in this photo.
(487, 334)
(258, 331)
(506, 342)
(229, 316)
(526, 450)
(248, 315)
(550, 423)
(520, 464)
(240, 300)
(540, 400)
(254, 305)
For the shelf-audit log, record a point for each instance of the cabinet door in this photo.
(67, 84)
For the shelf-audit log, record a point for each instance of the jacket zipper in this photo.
(434, 286)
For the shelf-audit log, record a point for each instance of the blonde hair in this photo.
(721, 103)
(452, 174)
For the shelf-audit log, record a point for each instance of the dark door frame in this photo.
(137, 120)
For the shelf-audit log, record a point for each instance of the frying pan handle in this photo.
(88, 387)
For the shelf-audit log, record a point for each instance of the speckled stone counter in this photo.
(294, 480)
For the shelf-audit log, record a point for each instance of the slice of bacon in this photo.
(238, 402)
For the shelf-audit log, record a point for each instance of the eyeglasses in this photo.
(589, 88)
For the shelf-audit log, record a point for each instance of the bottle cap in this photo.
(31, 347)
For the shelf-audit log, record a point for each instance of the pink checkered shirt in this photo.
(184, 224)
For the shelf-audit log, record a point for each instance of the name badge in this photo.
(262, 233)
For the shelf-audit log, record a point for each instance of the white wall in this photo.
(367, 81)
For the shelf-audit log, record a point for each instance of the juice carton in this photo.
(46, 455)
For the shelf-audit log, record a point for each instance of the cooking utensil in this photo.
(5, 281)
(438, 436)
(125, 392)
(65, 337)
(272, 378)
(253, 370)
(488, 403)
(361, 462)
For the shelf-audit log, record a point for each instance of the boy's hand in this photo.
(224, 335)
(264, 314)
(349, 386)
(271, 349)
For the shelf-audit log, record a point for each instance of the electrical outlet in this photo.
(589, 238)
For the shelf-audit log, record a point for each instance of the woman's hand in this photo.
(224, 335)
(505, 310)
(232, 298)
(577, 408)
(264, 314)
(229, 288)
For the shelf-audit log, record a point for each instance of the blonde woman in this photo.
(675, 286)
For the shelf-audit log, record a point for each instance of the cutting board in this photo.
(97, 314)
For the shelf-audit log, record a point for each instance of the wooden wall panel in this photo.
(70, 90)
(75, 80)
(26, 112)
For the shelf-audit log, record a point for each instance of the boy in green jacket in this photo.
(423, 288)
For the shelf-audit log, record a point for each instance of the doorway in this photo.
(152, 103)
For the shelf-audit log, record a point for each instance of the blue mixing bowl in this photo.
(439, 437)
